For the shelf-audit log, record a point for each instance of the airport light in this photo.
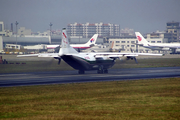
(16, 32)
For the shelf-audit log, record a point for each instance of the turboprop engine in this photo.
(177, 50)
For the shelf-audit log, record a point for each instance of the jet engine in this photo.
(177, 50)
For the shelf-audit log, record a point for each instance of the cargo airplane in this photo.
(86, 61)
(87, 45)
(175, 47)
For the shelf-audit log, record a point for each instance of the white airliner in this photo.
(89, 44)
(175, 47)
(102, 48)
(86, 61)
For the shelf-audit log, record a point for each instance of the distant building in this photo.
(126, 32)
(173, 29)
(2, 31)
(1, 43)
(88, 30)
(168, 36)
(22, 31)
(13, 46)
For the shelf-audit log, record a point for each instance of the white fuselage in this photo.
(162, 46)
(77, 46)
(87, 61)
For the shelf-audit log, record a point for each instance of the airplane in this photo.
(102, 48)
(175, 47)
(87, 45)
(86, 61)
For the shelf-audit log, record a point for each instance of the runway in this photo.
(62, 77)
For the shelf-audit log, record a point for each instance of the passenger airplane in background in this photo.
(175, 47)
(102, 48)
(89, 44)
(86, 61)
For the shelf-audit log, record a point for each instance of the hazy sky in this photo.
(141, 15)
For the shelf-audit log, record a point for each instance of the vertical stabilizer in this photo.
(112, 45)
(141, 39)
(65, 46)
(92, 40)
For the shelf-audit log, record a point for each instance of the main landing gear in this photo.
(81, 72)
(101, 70)
(105, 71)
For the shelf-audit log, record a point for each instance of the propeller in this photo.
(59, 61)
(132, 57)
(131, 50)
(135, 60)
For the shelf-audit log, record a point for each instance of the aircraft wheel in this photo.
(81, 72)
(106, 71)
(100, 71)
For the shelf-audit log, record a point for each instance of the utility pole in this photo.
(16, 32)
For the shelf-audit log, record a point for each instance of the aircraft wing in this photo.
(52, 46)
(55, 55)
(117, 55)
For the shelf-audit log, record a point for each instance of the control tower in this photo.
(174, 29)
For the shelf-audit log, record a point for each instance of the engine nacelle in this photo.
(177, 50)
(130, 57)
(165, 49)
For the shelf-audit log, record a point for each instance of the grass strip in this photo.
(138, 99)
